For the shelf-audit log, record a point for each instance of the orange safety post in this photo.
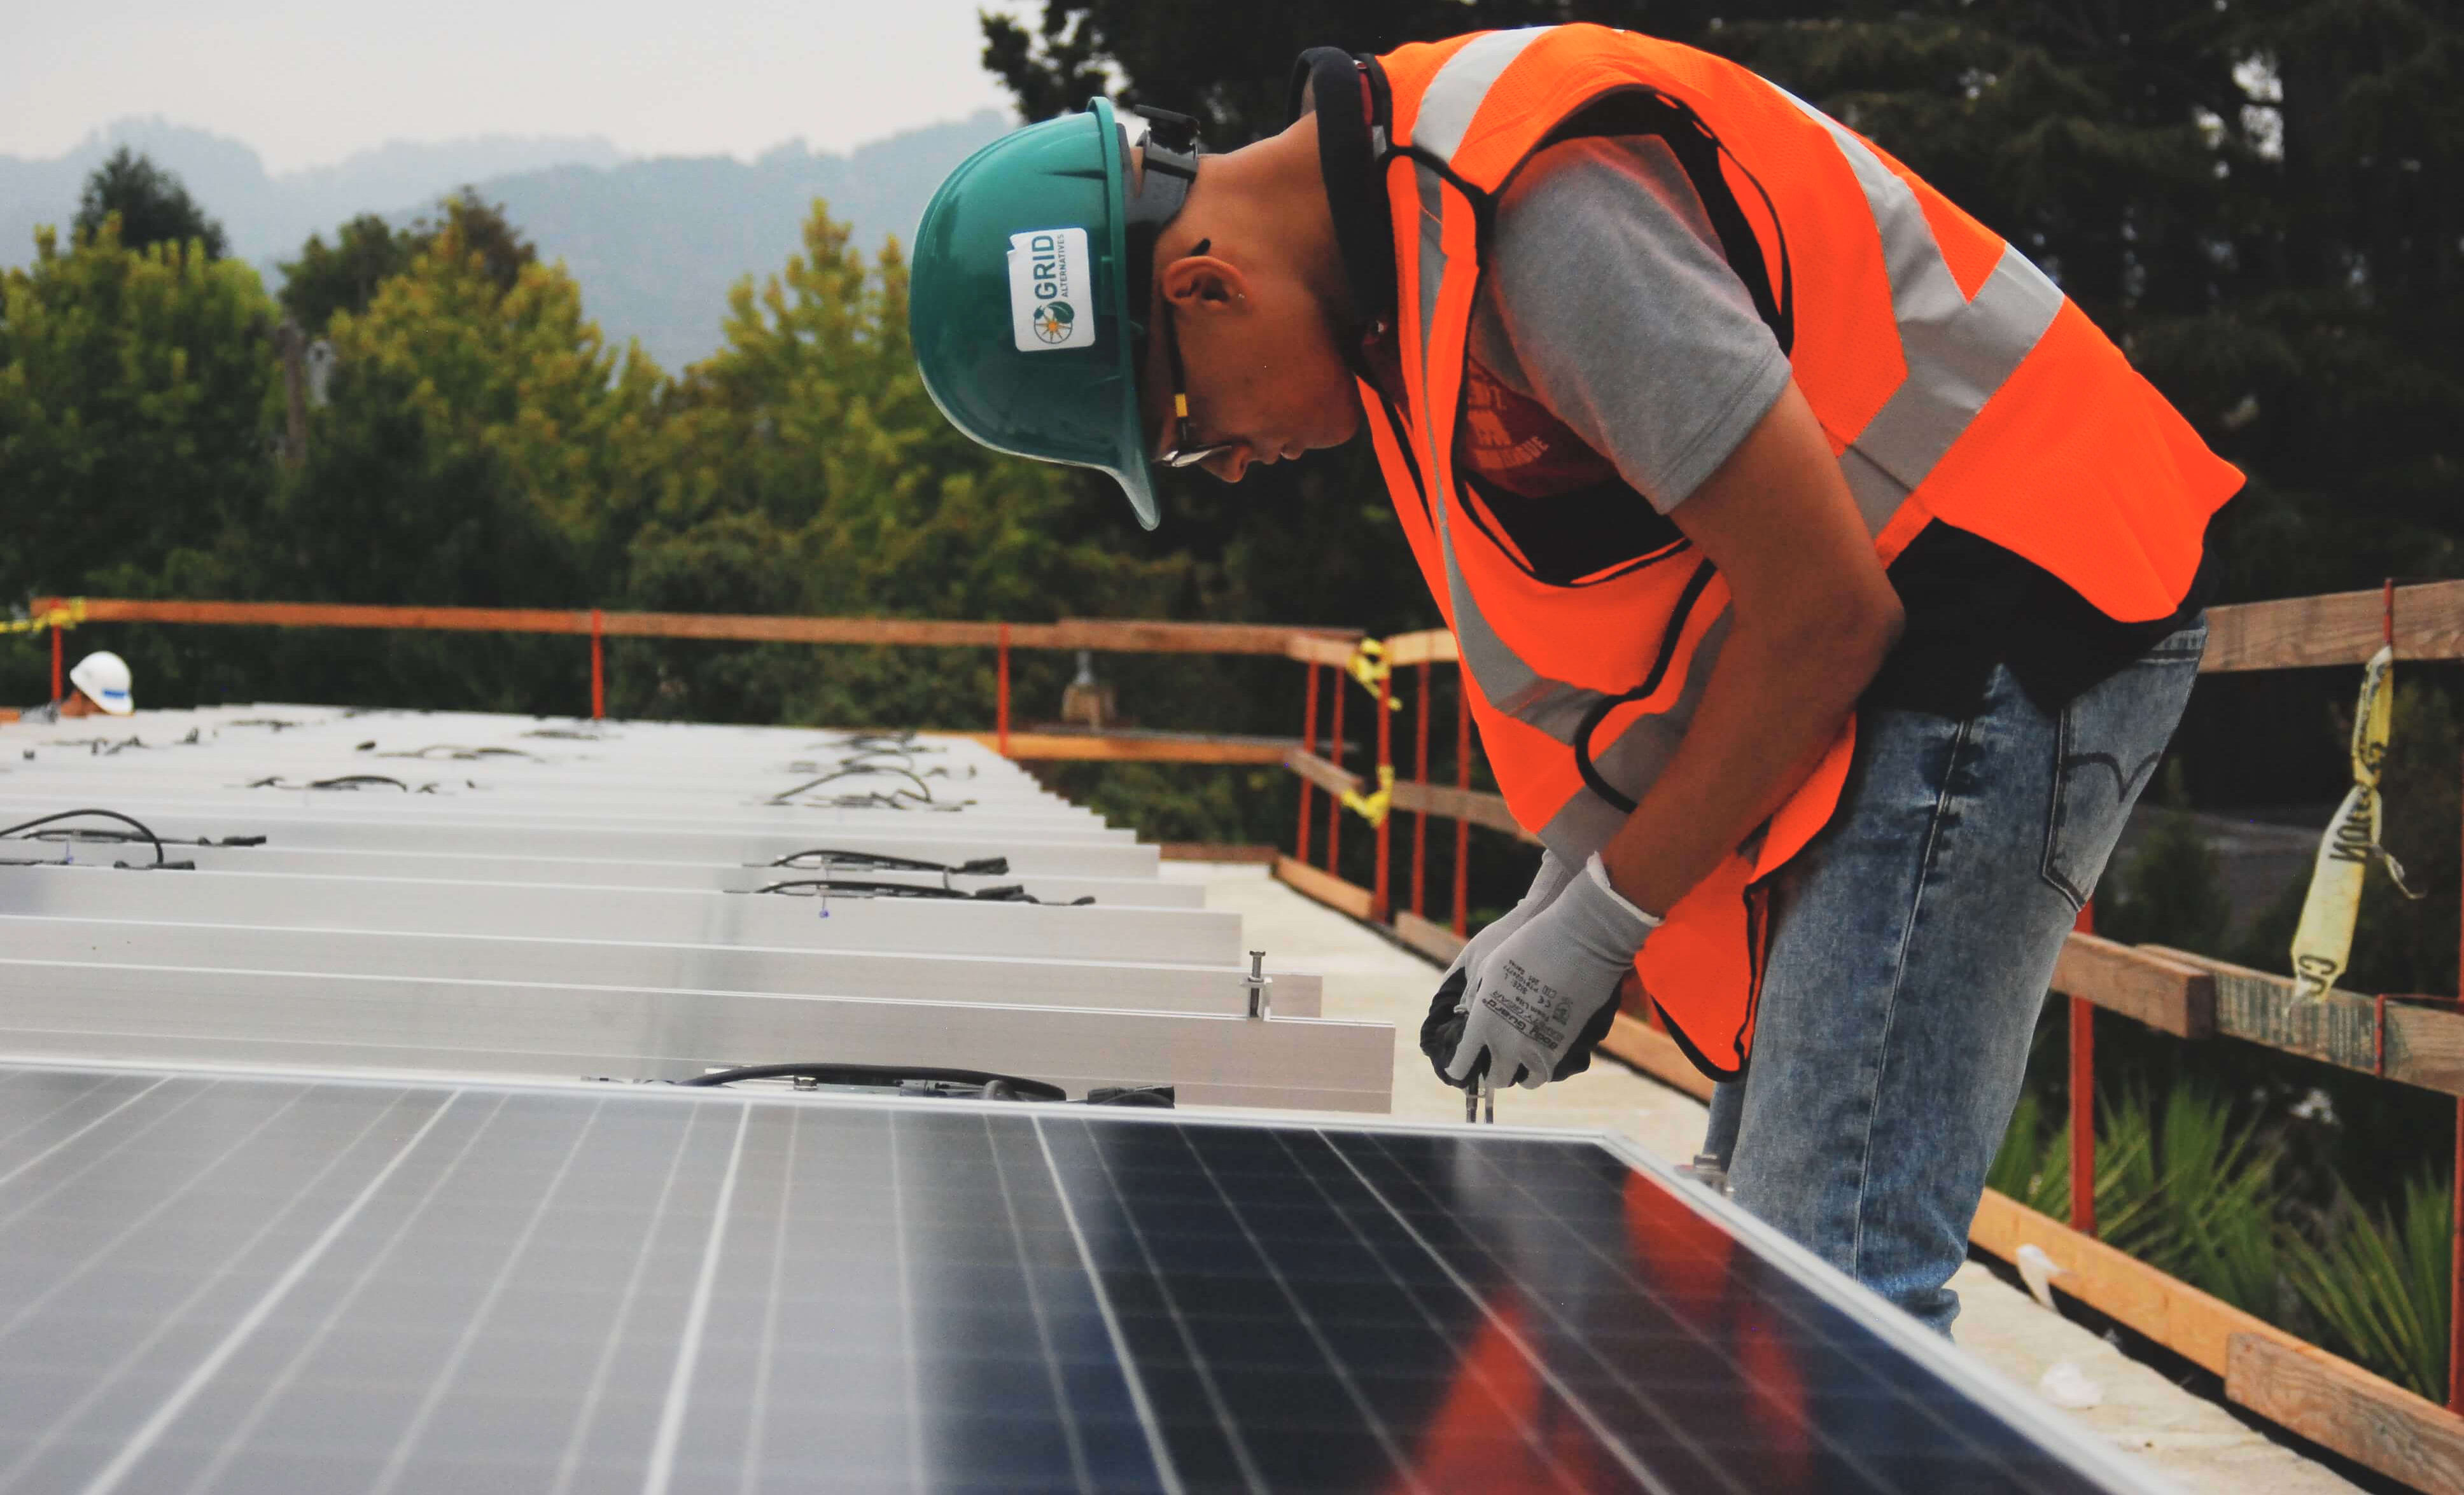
(2456, 1275)
(1001, 693)
(2083, 1100)
(1380, 898)
(1463, 826)
(1335, 803)
(1309, 745)
(60, 681)
(1421, 777)
(598, 667)
(2455, 1194)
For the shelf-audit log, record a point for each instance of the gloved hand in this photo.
(1442, 1031)
(1546, 993)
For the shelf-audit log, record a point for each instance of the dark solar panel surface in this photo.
(216, 1283)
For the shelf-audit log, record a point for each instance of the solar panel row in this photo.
(637, 900)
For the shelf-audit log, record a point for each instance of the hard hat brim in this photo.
(1136, 472)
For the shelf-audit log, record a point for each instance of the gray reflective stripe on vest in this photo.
(1958, 350)
(1634, 762)
(1510, 683)
(1454, 96)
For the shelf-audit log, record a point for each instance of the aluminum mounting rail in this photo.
(136, 1015)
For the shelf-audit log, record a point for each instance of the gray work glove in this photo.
(1441, 1032)
(1547, 986)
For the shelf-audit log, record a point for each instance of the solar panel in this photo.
(224, 1281)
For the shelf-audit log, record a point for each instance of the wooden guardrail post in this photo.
(2455, 1272)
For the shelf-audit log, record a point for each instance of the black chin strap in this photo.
(1157, 194)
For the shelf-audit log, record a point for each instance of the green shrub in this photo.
(2377, 1290)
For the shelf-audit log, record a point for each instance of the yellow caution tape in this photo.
(1369, 666)
(66, 615)
(1374, 807)
(2322, 945)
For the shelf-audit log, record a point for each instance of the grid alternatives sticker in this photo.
(1051, 293)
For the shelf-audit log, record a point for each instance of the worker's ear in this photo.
(1205, 285)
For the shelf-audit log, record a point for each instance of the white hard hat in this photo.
(103, 677)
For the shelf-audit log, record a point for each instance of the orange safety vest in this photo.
(1954, 380)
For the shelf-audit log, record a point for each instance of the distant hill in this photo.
(267, 217)
(655, 243)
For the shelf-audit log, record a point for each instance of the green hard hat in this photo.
(1031, 285)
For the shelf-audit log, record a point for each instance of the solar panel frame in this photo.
(926, 976)
(1097, 932)
(436, 1024)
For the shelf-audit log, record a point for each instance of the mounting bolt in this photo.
(1258, 982)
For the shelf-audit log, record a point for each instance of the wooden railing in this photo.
(1101, 635)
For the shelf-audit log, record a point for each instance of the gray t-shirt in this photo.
(1608, 299)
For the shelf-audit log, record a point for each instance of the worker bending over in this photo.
(98, 685)
(1827, 585)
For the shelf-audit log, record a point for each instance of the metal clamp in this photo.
(60, 616)
(1258, 982)
(1374, 807)
(1480, 1101)
(1369, 666)
(1709, 1170)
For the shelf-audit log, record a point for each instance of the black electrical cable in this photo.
(923, 790)
(862, 888)
(897, 800)
(460, 753)
(141, 828)
(884, 1075)
(883, 862)
(115, 838)
(883, 742)
(343, 781)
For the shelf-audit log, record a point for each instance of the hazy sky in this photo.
(309, 82)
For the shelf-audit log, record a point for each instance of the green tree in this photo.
(511, 370)
(136, 390)
(152, 205)
(367, 252)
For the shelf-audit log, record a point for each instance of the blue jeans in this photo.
(1912, 942)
